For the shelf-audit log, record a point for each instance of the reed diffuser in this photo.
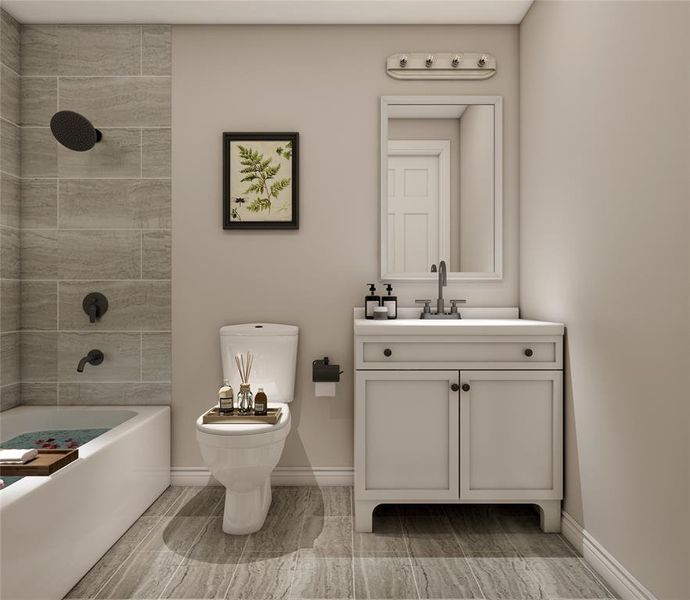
(245, 398)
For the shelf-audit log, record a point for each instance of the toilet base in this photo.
(245, 512)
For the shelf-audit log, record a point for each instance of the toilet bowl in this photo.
(242, 456)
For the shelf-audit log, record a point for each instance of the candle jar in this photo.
(245, 399)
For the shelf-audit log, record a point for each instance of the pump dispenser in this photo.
(391, 303)
(371, 301)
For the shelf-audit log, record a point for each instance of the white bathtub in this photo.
(54, 529)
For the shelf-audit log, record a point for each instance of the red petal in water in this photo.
(39, 441)
(45, 446)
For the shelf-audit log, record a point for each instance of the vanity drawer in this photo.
(486, 352)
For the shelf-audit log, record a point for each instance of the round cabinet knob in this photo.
(455, 387)
(387, 352)
(465, 387)
(529, 352)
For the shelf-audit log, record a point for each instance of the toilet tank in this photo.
(274, 348)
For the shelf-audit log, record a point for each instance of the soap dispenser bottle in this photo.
(391, 303)
(371, 301)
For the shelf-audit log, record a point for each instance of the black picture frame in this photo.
(228, 138)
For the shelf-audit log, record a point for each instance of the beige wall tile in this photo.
(9, 200)
(39, 258)
(39, 100)
(121, 352)
(9, 305)
(119, 101)
(98, 254)
(155, 154)
(156, 50)
(39, 50)
(38, 152)
(132, 305)
(99, 50)
(10, 396)
(39, 305)
(115, 203)
(38, 356)
(9, 94)
(9, 358)
(39, 203)
(114, 393)
(118, 154)
(156, 257)
(9, 41)
(39, 394)
(9, 253)
(9, 148)
(156, 352)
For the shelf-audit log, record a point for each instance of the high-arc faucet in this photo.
(442, 281)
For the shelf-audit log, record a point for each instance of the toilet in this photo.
(242, 456)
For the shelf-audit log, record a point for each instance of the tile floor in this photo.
(308, 550)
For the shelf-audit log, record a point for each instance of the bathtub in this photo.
(54, 529)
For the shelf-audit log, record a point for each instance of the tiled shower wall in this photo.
(98, 220)
(9, 212)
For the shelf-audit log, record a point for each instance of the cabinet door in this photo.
(511, 435)
(406, 435)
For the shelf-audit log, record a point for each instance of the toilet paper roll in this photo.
(324, 389)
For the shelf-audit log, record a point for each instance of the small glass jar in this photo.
(245, 399)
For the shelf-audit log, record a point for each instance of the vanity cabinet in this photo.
(454, 418)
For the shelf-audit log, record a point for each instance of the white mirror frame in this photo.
(497, 103)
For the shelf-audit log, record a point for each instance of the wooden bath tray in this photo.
(46, 463)
(213, 417)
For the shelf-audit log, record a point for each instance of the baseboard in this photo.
(613, 573)
(321, 476)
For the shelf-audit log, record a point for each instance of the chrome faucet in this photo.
(442, 281)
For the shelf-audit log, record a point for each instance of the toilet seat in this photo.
(246, 429)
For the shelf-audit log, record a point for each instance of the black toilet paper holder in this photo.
(324, 371)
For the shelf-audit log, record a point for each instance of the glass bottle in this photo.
(245, 399)
(225, 399)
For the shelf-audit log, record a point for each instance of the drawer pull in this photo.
(529, 352)
(465, 387)
(387, 352)
(455, 387)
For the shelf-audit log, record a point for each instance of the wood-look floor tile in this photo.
(506, 578)
(326, 537)
(213, 545)
(480, 534)
(200, 502)
(431, 537)
(541, 545)
(173, 534)
(263, 577)
(445, 578)
(383, 578)
(421, 510)
(566, 578)
(142, 575)
(386, 539)
(200, 580)
(89, 585)
(332, 501)
(325, 578)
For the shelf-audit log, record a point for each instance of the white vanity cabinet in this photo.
(458, 411)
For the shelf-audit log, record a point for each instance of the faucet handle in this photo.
(454, 305)
(427, 305)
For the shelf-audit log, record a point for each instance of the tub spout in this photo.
(94, 357)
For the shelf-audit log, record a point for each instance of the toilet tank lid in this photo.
(255, 329)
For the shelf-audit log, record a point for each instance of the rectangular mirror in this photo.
(441, 187)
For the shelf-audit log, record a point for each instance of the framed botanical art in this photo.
(260, 180)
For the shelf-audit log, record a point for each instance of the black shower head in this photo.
(74, 131)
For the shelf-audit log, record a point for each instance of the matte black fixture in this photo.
(95, 305)
(74, 131)
(94, 357)
(323, 370)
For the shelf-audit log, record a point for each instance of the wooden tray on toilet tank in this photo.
(46, 463)
(213, 417)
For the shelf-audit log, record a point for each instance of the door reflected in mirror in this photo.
(441, 185)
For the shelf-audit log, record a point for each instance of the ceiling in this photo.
(266, 12)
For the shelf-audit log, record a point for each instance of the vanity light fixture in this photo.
(453, 65)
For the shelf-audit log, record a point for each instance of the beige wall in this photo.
(604, 248)
(324, 82)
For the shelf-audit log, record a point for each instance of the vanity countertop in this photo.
(409, 324)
